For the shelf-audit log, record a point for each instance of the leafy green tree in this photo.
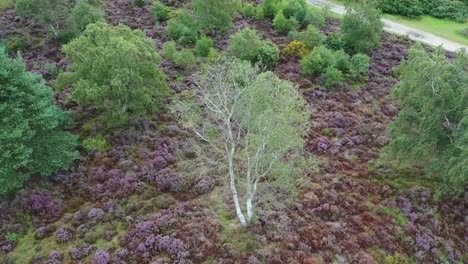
(431, 131)
(253, 126)
(32, 136)
(84, 14)
(115, 69)
(215, 15)
(361, 26)
(183, 28)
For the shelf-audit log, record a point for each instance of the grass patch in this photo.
(6, 4)
(444, 28)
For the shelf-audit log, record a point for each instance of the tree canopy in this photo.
(32, 136)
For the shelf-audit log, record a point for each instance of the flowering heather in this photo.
(63, 234)
(101, 257)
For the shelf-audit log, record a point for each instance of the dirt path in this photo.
(393, 27)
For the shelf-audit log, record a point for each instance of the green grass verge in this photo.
(443, 28)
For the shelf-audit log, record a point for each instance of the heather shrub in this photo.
(268, 54)
(317, 61)
(361, 26)
(64, 234)
(245, 44)
(335, 41)
(249, 10)
(169, 50)
(215, 15)
(359, 67)
(113, 68)
(32, 128)
(160, 12)
(204, 44)
(185, 59)
(430, 134)
(332, 77)
(101, 257)
(84, 14)
(296, 48)
(183, 28)
(312, 37)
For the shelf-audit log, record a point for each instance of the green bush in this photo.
(335, 41)
(215, 15)
(185, 59)
(408, 8)
(84, 14)
(52, 69)
(114, 69)
(139, 3)
(294, 35)
(268, 54)
(169, 50)
(260, 14)
(359, 67)
(317, 61)
(450, 9)
(283, 24)
(249, 10)
(160, 12)
(342, 61)
(32, 136)
(268, 8)
(332, 77)
(295, 9)
(183, 28)
(245, 44)
(312, 37)
(95, 143)
(204, 44)
(361, 26)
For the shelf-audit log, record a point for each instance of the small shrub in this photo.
(359, 67)
(213, 54)
(95, 143)
(342, 61)
(215, 15)
(317, 61)
(183, 28)
(12, 236)
(296, 48)
(84, 14)
(169, 50)
(245, 44)
(312, 37)
(268, 54)
(52, 69)
(185, 59)
(160, 12)
(332, 77)
(204, 44)
(260, 13)
(464, 32)
(282, 24)
(249, 10)
(296, 9)
(139, 3)
(164, 201)
(294, 35)
(335, 41)
(268, 8)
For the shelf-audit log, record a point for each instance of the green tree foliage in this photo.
(268, 8)
(114, 68)
(160, 12)
(204, 44)
(185, 59)
(245, 44)
(312, 37)
(169, 49)
(84, 14)
(47, 12)
(342, 61)
(32, 140)
(431, 131)
(408, 8)
(332, 77)
(335, 41)
(254, 126)
(249, 10)
(215, 15)
(296, 9)
(361, 26)
(283, 24)
(183, 28)
(359, 67)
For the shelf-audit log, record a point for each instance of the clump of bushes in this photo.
(247, 45)
(204, 44)
(183, 28)
(450, 9)
(408, 8)
(160, 12)
(334, 66)
(312, 37)
(283, 24)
